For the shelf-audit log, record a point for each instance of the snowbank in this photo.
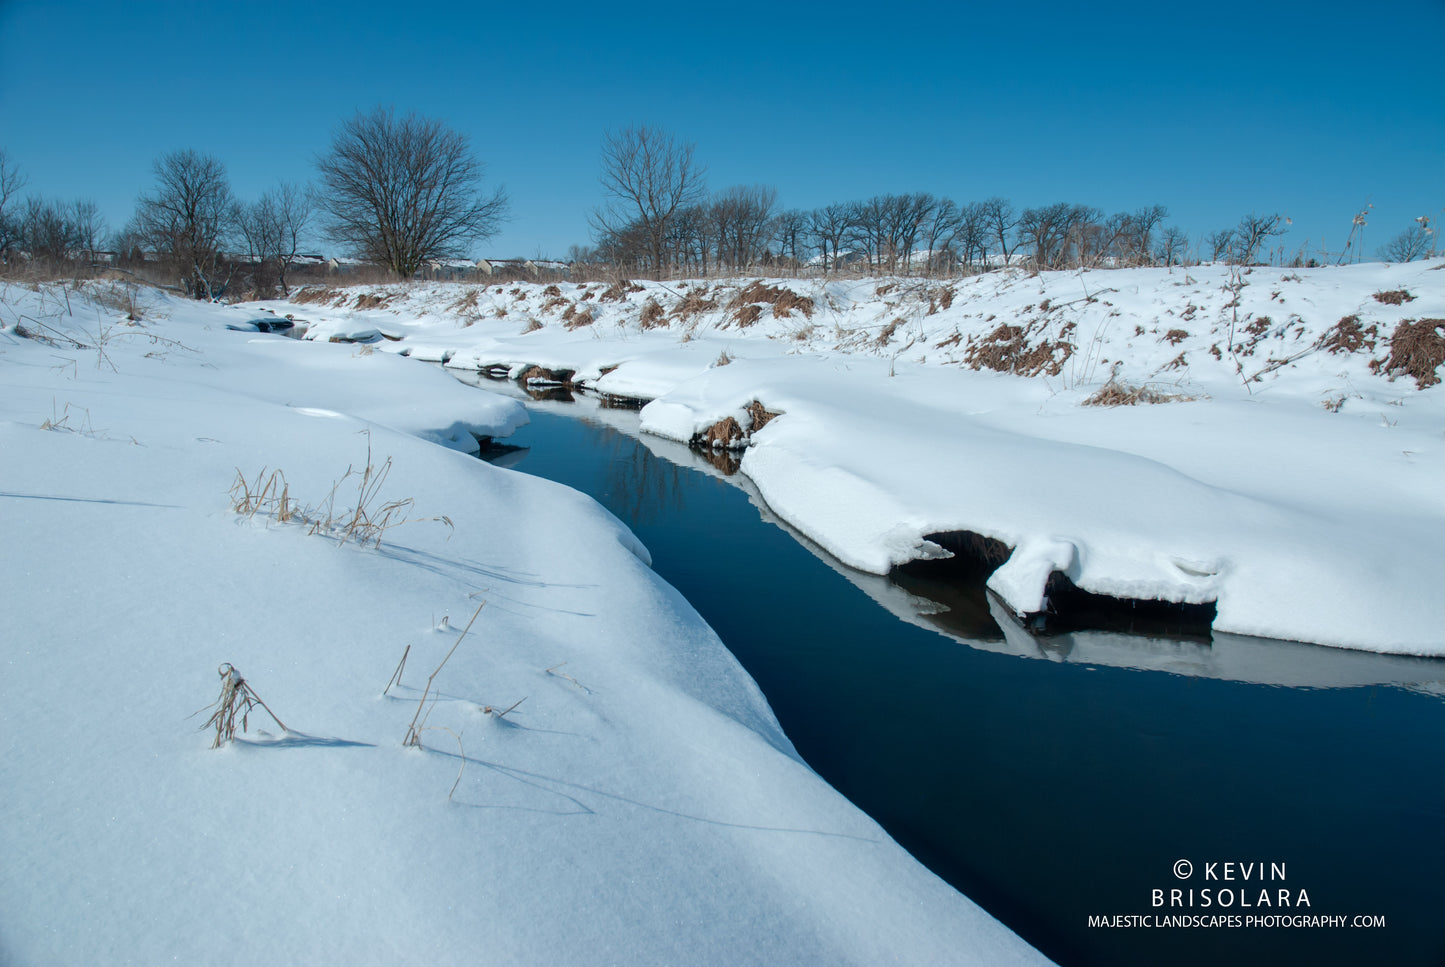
(1292, 476)
(640, 804)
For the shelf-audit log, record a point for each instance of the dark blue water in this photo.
(1052, 790)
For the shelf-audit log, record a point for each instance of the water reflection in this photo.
(1053, 777)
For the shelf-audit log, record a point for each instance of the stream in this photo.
(1057, 778)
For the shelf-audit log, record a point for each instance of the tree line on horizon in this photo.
(404, 193)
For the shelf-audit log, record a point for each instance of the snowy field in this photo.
(1279, 451)
(598, 781)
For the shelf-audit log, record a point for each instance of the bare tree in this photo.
(789, 229)
(89, 227)
(402, 192)
(11, 181)
(1221, 244)
(188, 218)
(738, 221)
(830, 228)
(1170, 247)
(1413, 243)
(1253, 232)
(272, 227)
(48, 232)
(648, 177)
(1000, 219)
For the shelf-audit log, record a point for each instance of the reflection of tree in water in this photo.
(640, 484)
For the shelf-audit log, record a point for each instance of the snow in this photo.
(640, 804)
(1289, 479)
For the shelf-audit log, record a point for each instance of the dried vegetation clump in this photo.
(783, 301)
(618, 291)
(747, 315)
(466, 303)
(725, 434)
(1114, 393)
(365, 522)
(693, 304)
(1394, 297)
(1348, 336)
(728, 433)
(760, 416)
(318, 295)
(1007, 350)
(941, 298)
(1416, 349)
(539, 374)
(576, 320)
(1175, 336)
(652, 315)
(371, 300)
(236, 698)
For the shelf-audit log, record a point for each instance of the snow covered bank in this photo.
(1293, 478)
(639, 806)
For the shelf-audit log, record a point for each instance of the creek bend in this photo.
(1052, 779)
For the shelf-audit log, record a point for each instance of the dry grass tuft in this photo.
(940, 298)
(1394, 297)
(652, 315)
(466, 303)
(236, 698)
(366, 522)
(576, 320)
(747, 315)
(886, 334)
(370, 300)
(725, 434)
(418, 724)
(618, 291)
(1416, 349)
(318, 294)
(1175, 336)
(783, 301)
(1007, 350)
(760, 416)
(1114, 393)
(538, 374)
(1348, 336)
(693, 304)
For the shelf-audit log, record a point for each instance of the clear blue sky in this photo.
(1211, 109)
